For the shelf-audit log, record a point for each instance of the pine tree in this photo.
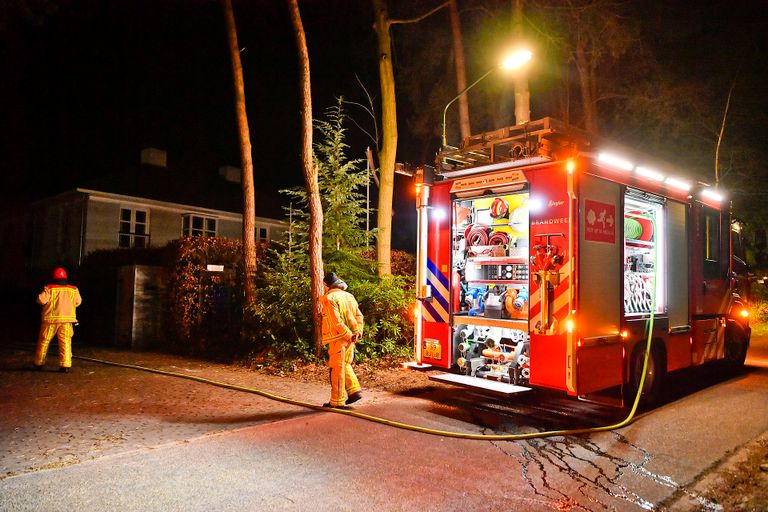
(341, 181)
(282, 307)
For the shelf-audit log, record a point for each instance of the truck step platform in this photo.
(478, 383)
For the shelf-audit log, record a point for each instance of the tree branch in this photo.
(720, 136)
(370, 136)
(423, 16)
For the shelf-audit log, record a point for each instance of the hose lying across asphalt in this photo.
(397, 424)
(415, 428)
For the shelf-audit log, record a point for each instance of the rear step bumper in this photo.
(478, 383)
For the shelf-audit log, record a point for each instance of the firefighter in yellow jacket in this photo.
(59, 300)
(342, 327)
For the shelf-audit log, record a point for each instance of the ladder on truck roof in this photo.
(545, 138)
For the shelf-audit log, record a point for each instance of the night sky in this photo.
(88, 83)
(94, 82)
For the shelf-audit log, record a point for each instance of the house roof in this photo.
(193, 188)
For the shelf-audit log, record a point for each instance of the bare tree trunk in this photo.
(389, 138)
(461, 69)
(522, 92)
(310, 177)
(586, 87)
(249, 206)
(567, 94)
(388, 150)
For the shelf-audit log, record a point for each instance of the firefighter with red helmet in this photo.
(59, 300)
(342, 327)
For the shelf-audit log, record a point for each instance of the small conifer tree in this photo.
(282, 308)
(341, 181)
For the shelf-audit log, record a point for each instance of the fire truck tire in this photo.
(655, 376)
(736, 346)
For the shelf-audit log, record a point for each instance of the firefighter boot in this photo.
(329, 406)
(354, 397)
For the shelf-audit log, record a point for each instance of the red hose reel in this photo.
(476, 234)
(480, 234)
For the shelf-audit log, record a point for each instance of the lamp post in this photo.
(512, 61)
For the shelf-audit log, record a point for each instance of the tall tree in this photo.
(340, 181)
(310, 176)
(522, 93)
(282, 311)
(388, 151)
(389, 138)
(597, 36)
(249, 202)
(461, 69)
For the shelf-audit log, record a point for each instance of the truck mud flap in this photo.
(492, 386)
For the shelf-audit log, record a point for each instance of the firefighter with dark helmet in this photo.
(342, 327)
(59, 300)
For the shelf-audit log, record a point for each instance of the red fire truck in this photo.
(543, 253)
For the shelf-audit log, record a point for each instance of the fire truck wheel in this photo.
(655, 376)
(736, 346)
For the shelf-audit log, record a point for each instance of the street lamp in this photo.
(514, 60)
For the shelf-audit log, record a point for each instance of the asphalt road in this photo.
(247, 452)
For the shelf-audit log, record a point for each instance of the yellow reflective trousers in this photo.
(63, 332)
(343, 379)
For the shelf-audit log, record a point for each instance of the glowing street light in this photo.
(514, 60)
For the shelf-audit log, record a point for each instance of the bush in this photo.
(281, 323)
(282, 313)
(759, 303)
(403, 263)
(205, 308)
(201, 310)
(386, 304)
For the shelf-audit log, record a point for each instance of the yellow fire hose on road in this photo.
(425, 430)
(392, 423)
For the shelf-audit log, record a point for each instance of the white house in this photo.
(146, 206)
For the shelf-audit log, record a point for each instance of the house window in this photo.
(262, 233)
(197, 225)
(134, 228)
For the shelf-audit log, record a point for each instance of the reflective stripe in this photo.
(63, 332)
(430, 314)
(61, 305)
(559, 307)
(433, 269)
(438, 309)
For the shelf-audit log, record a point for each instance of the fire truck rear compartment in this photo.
(490, 279)
(490, 272)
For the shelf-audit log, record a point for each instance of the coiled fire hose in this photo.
(498, 238)
(416, 428)
(476, 234)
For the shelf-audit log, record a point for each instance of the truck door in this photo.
(709, 285)
(600, 355)
(434, 343)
